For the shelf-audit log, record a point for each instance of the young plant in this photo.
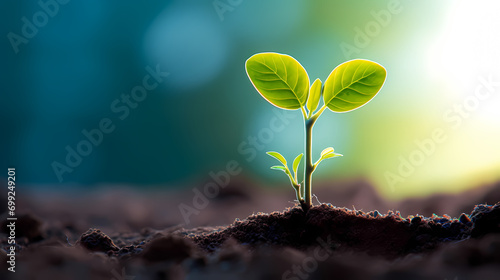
(284, 83)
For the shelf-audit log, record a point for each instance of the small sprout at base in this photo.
(283, 82)
(296, 163)
(283, 168)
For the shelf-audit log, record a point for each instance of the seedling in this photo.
(284, 83)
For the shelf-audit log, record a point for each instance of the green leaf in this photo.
(296, 163)
(277, 156)
(327, 151)
(331, 156)
(279, 78)
(326, 154)
(314, 95)
(352, 84)
(279, 167)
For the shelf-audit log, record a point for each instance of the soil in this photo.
(119, 233)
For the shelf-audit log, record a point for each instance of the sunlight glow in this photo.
(466, 54)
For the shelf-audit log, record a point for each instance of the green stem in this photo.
(298, 194)
(309, 166)
(304, 113)
(319, 112)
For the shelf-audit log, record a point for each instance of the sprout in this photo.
(283, 82)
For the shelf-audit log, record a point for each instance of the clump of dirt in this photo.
(95, 240)
(486, 220)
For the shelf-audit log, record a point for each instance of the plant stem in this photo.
(298, 193)
(299, 198)
(309, 167)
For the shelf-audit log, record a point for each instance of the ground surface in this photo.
(123, 234)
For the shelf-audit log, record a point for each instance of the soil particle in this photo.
(486, 219)
(95, 240)
(465, 219)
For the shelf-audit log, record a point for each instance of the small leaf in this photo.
(327, 151)
(352, 84)
(296, 163)
(314, 95)
(279, 78)
(326, 154)
(332, 155)
(277, 156)
(279, 167)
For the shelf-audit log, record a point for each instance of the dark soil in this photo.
(389, 236)
(327, 242)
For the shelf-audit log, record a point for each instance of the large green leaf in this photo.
(352, 84)
(279, 78)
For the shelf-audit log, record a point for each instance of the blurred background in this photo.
(76, 113)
